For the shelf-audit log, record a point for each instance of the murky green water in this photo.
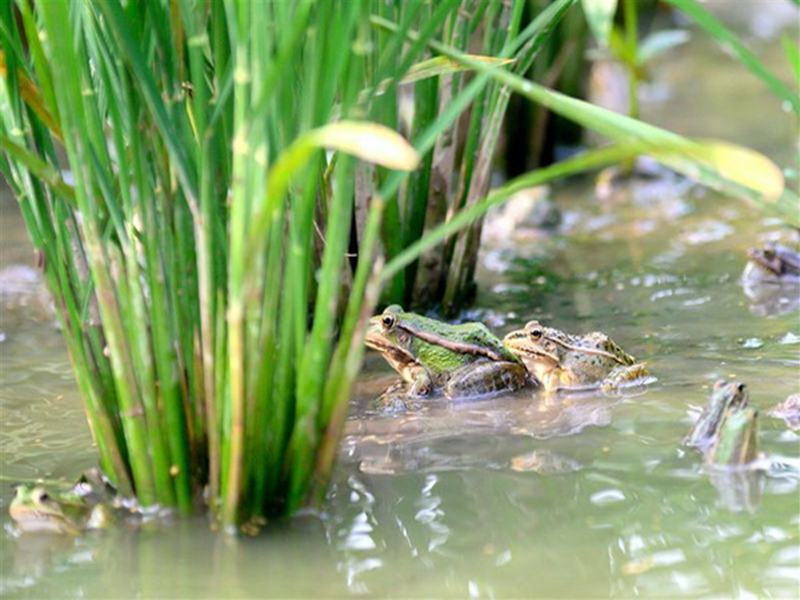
(509, 497)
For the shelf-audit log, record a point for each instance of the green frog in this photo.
(734, 465)
(35, 511)
(736, 445)
(724, 396)
(86, 505)
(563, 361)
(773, 262)
(461, 360)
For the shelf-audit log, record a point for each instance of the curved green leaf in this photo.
(368, 141)
(441, 65)
(741, 166)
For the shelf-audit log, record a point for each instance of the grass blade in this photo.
(725, 36)
(600, 16)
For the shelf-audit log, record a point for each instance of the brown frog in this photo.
(773, 263)
(563, 361)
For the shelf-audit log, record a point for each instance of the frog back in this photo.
(593, 356)
(478, 335)
(473, 340)
(442, 348)
(601, 342)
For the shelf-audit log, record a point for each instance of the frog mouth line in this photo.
(757, 258)
(381, 345)
(538, 355)
(770, 261)
(40, 515)
(519, 345)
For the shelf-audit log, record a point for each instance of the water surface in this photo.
(515, 496)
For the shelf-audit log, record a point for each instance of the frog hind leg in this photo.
(482, 378)
(631, 375)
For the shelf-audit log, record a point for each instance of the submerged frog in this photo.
(35, 511)
(772, 263)
(87, 505)
(461, 360)
(771, 280)
(563, 361)
(724, 396)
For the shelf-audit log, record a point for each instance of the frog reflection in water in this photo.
(563, 361)
(462, 360)
(35, 510)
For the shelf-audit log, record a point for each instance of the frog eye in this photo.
(740, 387)
(388, 320)
(535, 333)
(43, 497)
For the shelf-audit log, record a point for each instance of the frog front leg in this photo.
(478, 379)
(417, 383)
(419, 380)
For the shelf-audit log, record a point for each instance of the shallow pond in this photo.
(516, 496)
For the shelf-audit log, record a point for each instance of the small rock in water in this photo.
(487, 316)
(788, 410)
(530, 208)
(544, 462)
(19, 280)
(608, 496)
(22, 287)
(638, 566)
(709, 231)
(790, 338)
(752, 343)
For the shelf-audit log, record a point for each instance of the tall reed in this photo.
(199, 249)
